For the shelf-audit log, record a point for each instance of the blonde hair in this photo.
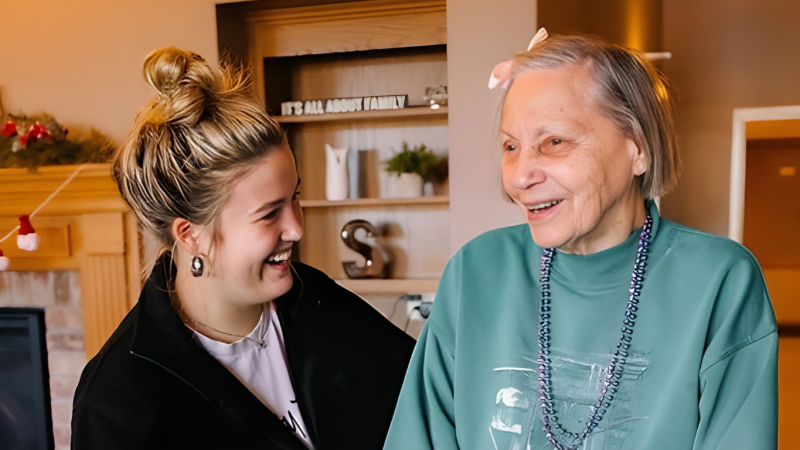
(633, 93)
(190, 143)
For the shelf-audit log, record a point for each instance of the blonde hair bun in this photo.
(190, 144)
(184, 82)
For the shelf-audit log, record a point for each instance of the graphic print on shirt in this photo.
(292, 424)
(576, 379)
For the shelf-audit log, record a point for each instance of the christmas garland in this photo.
(27, 239)
(38, 140)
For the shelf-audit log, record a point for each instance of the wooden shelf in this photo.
(365, 287)
(411, 111)
(432, 200)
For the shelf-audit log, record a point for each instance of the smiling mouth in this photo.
(280, 257)
(542, 207)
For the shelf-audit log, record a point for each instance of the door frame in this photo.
(739, 158)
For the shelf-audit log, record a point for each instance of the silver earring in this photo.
(197, 266)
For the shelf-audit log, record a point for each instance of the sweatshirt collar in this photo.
(607, 268)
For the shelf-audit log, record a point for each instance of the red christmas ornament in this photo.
(9, 129)
(23, 139)
(4, 262)
(27, 239)
(38, 131)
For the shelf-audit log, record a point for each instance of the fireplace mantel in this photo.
(87, 227)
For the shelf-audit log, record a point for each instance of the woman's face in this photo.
(257, 227)
(564, 162)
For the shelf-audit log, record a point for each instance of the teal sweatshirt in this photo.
(702, 371)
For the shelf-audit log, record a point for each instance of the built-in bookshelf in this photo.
(344, 51)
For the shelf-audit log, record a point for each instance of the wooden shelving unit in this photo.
(367, 287)
(411, 111)
(433, 200)
(343, 51)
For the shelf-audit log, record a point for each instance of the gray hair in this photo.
(188, 146)
(631, 91)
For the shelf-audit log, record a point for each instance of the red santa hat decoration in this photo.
(27, 239)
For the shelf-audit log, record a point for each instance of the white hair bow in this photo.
(501, 74)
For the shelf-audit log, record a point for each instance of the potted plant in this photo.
(409, 169)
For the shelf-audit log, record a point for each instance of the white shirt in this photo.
(263, 370)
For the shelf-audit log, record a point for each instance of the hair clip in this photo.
(501, 74)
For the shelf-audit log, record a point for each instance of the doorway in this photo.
(765, 217)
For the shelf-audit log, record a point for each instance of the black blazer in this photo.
(152, 386)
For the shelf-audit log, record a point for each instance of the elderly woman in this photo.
(598, 324)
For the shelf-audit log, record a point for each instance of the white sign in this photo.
(340, 105)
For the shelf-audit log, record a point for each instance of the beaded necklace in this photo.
(552, 428)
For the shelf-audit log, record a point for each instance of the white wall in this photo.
(81, 60)
(480, 34)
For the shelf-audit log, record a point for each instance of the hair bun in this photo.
(185, 81)
(164, 68)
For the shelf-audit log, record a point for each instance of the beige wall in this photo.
(480, 34)
(630, 23)
(81, 60)
(726, 54)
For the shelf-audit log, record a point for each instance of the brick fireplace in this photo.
(59, 293)
(86, 273)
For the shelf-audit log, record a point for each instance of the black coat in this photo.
(152, 386)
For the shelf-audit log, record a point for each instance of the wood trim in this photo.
(344, 11)
(105, 298)
(411, 111)
(773, 143)
(93, 190)
(89, 229)
(103, 278)
(390, 286)
(133, 255)
(54, 253)
(346, 27)
(789, 330)
(739, 159)
(432, 200)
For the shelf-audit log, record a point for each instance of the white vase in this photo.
(336, 181)
(427, 189)
(405, 185)
(353, 172)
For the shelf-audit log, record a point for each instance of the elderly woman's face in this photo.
(564, 162)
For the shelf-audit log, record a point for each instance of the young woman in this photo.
(231, 345)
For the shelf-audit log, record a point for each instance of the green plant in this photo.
(420, 160)
(38, 140)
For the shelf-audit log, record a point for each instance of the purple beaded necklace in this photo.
(552, 428)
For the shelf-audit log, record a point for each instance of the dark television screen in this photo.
(25, 418)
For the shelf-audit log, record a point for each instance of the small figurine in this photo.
(374, 267)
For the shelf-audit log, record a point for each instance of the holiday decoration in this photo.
(33, 141)
(4, 262)
(9, 129)
(27, 239)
